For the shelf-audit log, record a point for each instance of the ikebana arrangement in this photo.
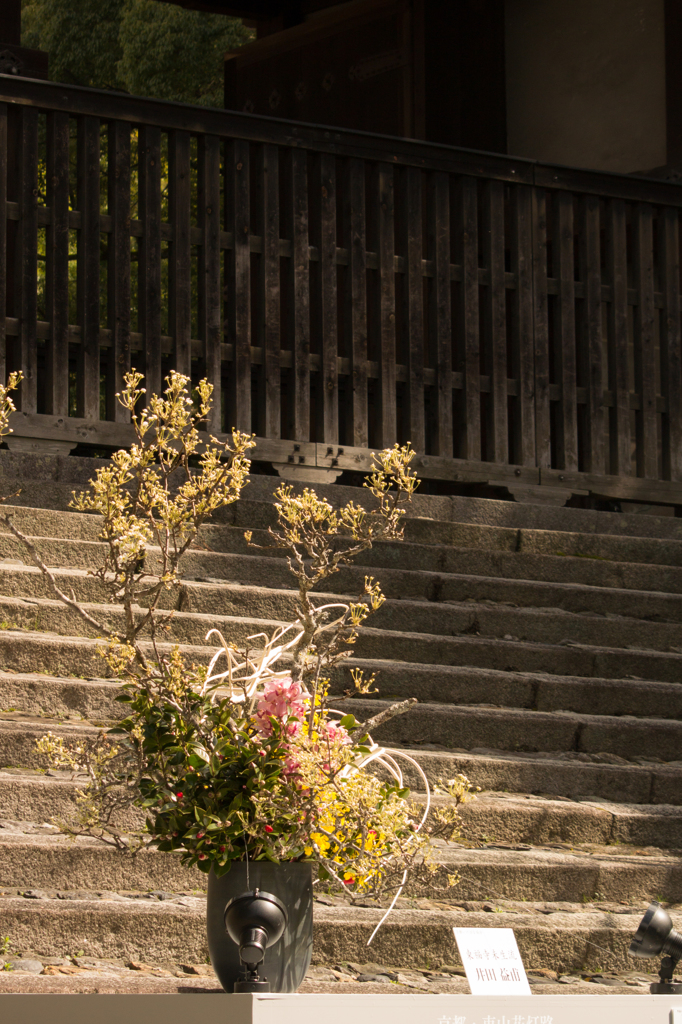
(241, 765)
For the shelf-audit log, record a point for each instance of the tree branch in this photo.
(38, 562)
(383, 716)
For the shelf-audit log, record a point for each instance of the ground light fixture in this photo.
(655, 937)
(254, 920)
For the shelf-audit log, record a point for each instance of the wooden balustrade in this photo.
(519, 324)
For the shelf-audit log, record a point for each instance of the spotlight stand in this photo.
(665, 984)
(255, 920)
(654, 936)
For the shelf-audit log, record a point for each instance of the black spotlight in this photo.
(656, 936)
(254, 920)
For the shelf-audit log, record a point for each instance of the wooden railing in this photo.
(518, 323)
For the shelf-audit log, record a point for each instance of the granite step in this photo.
(48, 482)
(565, 655)
(523, 730)
(488, 617)
(456, 604)
(419, 531)
(200, 563)
(468, 727)
(32, 859)
(492, 817)
(557, 772)
(461, 685)
(561, 937)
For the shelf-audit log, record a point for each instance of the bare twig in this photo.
(383, 716)
(38, 562)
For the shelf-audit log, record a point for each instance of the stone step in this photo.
(112, 981)
(255, 510)
(564, 657)
(56, 697)
(522, 730)
(553, 938)
(491, 817)
(48, 482)
(511, 655)
(463, 685)
(96, 698)
(554, 774)
(429, 544)
(256, 574)
(51, 654)
(559, 773)
(486, 616)
(52, 864)
(468, 727)
(538, 820)
(200, 563)
(419, 531)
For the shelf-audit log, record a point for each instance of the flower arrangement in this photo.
(243, 757)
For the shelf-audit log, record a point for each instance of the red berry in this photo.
(268, 828)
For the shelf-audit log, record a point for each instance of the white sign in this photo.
(492, 961)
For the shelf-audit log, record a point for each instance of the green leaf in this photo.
(348, 722)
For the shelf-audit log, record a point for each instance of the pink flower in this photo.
(282, 699)
(337, 734)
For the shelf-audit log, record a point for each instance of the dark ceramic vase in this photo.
(286, 962)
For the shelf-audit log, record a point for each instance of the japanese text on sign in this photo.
(492, 962)
(517, 1018)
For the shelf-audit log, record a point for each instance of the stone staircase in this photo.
(545, 648)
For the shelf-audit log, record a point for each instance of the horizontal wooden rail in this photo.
(516, 322)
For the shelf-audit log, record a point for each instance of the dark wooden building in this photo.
(381, 238)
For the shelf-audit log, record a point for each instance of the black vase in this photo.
(286, 962)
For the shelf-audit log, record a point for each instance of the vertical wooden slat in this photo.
(270, 290)
(590, 260)
(239, 279)
(118, 278)
(671, 343)
(523, 362)
(619, 383)
(469, 320)
(441, 316)
(27, 262)
(356, 298)
(149, 254)
(564, 331)
(57, 264)
(328, 302)
(414, 297)
(208, 221)
(645, 322)
(3, 240)
(543, 451)
(385, 234)
(180, 263)
(299, 305)
(495, 340)
(88, 267)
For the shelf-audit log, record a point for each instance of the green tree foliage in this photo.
(139, 46)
